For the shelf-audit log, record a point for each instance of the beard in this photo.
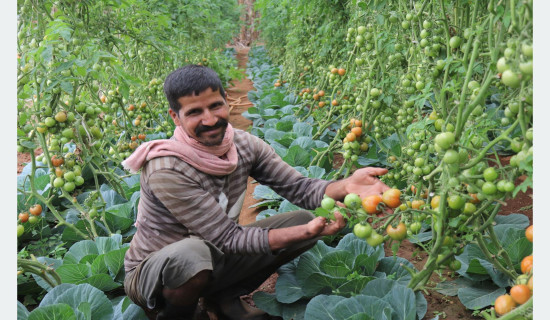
(209, 140)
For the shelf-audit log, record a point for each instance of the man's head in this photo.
(197, 103)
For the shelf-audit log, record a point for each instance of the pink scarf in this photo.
(206, 159)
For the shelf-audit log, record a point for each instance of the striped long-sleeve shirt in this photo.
(178, 200)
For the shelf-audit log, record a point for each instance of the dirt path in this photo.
(239, 103)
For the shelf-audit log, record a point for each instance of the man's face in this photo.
(203, 117)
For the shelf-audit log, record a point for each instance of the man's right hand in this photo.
(320, 227)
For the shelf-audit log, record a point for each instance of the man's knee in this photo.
(189, 292)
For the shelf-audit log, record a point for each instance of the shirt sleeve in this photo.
(272, 171)
(199, 212)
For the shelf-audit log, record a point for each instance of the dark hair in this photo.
(189, 80)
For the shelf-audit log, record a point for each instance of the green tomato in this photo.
(455, 265)
(362, 231)
(375, 239)
(415, 227)
(444, 140)
(78, 181)
(328, 203)
(489, 188)
(455, 42)
(490, 174)
(502, 65)
(469, 208)
(352, 201)
(451, 156)
(455, 202)
(69, 186)
(510, 79)
(20, 230)
(33, 220)
(58, 182)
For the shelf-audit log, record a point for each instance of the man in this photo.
(188, 243)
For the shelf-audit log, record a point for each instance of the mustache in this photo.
(222, 123)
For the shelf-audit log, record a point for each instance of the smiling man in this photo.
(188, 242)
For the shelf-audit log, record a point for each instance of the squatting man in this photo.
(188, 242)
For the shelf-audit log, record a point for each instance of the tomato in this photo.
(489, 188)
(526, 67)
(61, 116)
(529, 233)
(469, 209)
(78, 181)
(415, 227)
(530, 283)
(69, 186)
(341, 71)
(36, 210)
(69, 176)
(351, 137)
(33, 219)
(357, 131)
(362, 231)
(455, 42)
(93, 213)
(455, 201)
(57, 161)
(23, 217)
(20, 230)
(520, 293)
(527, 264)
(504, 304)
(352, 201)
(328, 203)
(371, 202)
(58, 182)
(375, 239)
(435, 202)
(444, 140)
(455, 265)
(502, 65)
(510, 78)
(451, 156)
(490, 174)
(391, 198)
(416, 204)
(398, 233)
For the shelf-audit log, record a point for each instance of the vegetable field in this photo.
(438, 92)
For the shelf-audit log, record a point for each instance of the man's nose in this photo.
(209, 118)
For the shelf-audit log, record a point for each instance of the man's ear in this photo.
(174, 117)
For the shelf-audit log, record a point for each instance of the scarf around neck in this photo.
(217, 160)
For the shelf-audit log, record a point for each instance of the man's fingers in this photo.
(374, 171)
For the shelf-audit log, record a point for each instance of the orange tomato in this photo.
(334, 102)
(36, 210)
(371, 202)
(321, 93)
(321, 104)
(416, 204)
(435, 202)
(341, 71)
(357, 131)
(520, 293)
(527, 264)
(391, 198)
(504, 304)
(529, 233)
(351, 137)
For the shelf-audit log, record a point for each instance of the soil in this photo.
(438, 304)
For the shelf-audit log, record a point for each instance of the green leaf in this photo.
(354, 285)
(74, 295)
(115, 260)
(337, 263)
(59, 311)
(66, 86)
(310, 260)
(394, 266)
(73, 273)
(98, 265)
(267, 302)
(287, 289)
(106, 244)
(515, 220)
(480, 296)
(302, 129)
(82, 249)
(295, 311)
(103, 282)
(320, 282)
(22, 312)
(265, 192)
(126, 309)
(297, 156)
(86, 309)
(450, 288)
